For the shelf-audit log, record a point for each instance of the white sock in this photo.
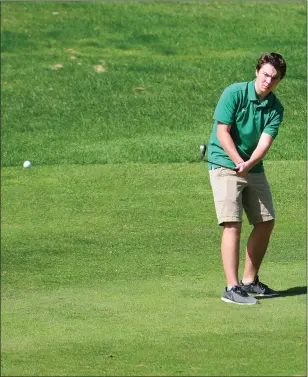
(246, 282)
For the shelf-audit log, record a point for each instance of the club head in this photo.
(202, 151)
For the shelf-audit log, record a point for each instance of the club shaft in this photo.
(222, 166)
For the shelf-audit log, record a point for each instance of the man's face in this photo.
(267, 80)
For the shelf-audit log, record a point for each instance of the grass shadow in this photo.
(295, 291)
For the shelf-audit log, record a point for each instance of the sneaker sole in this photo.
(238, 303)
(262, 294)
(266, 295)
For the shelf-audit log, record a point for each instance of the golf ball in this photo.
(27, 164)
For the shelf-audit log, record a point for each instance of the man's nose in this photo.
(268, 80)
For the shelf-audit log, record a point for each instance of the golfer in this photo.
(246, 122)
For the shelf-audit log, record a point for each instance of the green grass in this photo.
(181, 54)
(110, 245)
(116, 271)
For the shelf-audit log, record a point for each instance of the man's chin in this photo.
(265, 92)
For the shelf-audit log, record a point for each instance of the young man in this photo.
(247, 118)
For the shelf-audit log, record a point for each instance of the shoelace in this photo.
(239, 290)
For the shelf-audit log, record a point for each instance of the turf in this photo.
(116, 271)
(109, 242)
(165, 64)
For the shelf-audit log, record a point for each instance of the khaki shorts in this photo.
(232, 194)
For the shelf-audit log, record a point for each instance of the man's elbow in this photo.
(266, 141)
(223, 132)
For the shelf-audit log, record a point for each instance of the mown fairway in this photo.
(110, 248)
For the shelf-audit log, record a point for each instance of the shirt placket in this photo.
(257, 117)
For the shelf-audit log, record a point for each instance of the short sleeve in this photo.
(226, 107)
(272, 127)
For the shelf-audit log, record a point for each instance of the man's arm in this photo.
(258, 154)
(226, 141)
(262, 148)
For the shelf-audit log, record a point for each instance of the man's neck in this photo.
(261, 98)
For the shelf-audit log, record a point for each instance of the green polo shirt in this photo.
(240, 107)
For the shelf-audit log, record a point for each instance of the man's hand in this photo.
(242, 169)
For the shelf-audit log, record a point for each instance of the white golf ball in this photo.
(27, 164)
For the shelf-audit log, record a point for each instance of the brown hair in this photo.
(276, 60)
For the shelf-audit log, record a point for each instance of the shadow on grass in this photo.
(295, 291)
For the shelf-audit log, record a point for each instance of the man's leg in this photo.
(230, 252)
(227, 190)
(230, 245)
(256, 248)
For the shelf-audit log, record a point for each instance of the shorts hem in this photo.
(262, 220)
(229, 220)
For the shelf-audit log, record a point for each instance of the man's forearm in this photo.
(261, 150)
(226, 141)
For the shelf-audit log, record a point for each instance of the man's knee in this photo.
(266, 226)
(234, 227)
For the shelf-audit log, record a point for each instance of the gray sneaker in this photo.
(258, 289)
(238, 296)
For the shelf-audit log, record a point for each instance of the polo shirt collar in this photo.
(252, 95)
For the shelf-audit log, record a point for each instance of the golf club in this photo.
(202, 155)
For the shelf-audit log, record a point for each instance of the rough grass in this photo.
(139, 81)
